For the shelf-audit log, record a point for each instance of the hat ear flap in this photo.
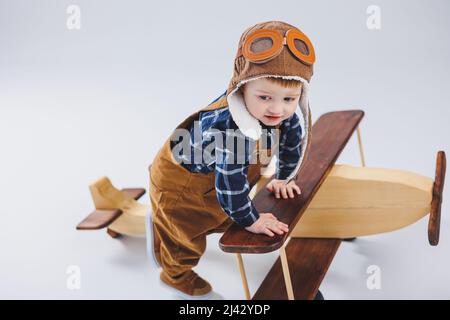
(303, 102)
(305, 124)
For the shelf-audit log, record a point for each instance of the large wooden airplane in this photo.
(338, 201)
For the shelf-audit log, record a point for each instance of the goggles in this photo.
(265, 44)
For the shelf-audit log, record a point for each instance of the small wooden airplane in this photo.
(116, 210)
(338, 201)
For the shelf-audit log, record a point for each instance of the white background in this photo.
(79, 104)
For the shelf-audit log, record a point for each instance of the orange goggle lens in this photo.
(300, 46)
(264, 45)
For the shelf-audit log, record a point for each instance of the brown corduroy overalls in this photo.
(184, 204)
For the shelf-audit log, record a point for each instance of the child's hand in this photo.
(267, 223)
(278, 187)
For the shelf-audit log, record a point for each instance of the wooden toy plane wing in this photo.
(101, 218)
(330, 134)
(311, 259)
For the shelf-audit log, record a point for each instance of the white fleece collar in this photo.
(248, 124)
(251, 127)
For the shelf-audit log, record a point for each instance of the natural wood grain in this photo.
(286, 273)
(361, 150)
(243, 276)
(135, 193)
(358, 201)
(308, 260)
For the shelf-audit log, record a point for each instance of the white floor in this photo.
(119, 268)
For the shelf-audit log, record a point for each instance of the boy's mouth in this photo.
(272, 118)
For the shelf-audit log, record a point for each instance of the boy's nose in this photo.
(275, 110)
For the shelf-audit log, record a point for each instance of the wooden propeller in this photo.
(434, 223)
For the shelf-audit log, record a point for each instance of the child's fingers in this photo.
(281, 229)
(283, 225)
(268, 232)
(280, 224)
(284, 192)
(272, 229)
(277, 191)
(268, 215)
(278, 230)
(270, 221)
(297, 188)
(290, 192)
(276, 226)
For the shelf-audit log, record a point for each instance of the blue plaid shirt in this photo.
(231, 165)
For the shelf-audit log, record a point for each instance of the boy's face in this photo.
(270, 102)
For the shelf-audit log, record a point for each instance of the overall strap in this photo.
(220, 102)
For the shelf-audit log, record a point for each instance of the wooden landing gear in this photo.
(112, 233)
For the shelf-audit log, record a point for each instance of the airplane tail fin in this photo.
(109, 204)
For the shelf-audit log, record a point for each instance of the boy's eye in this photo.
(265, 98)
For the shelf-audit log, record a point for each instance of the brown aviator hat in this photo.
(272, 49)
